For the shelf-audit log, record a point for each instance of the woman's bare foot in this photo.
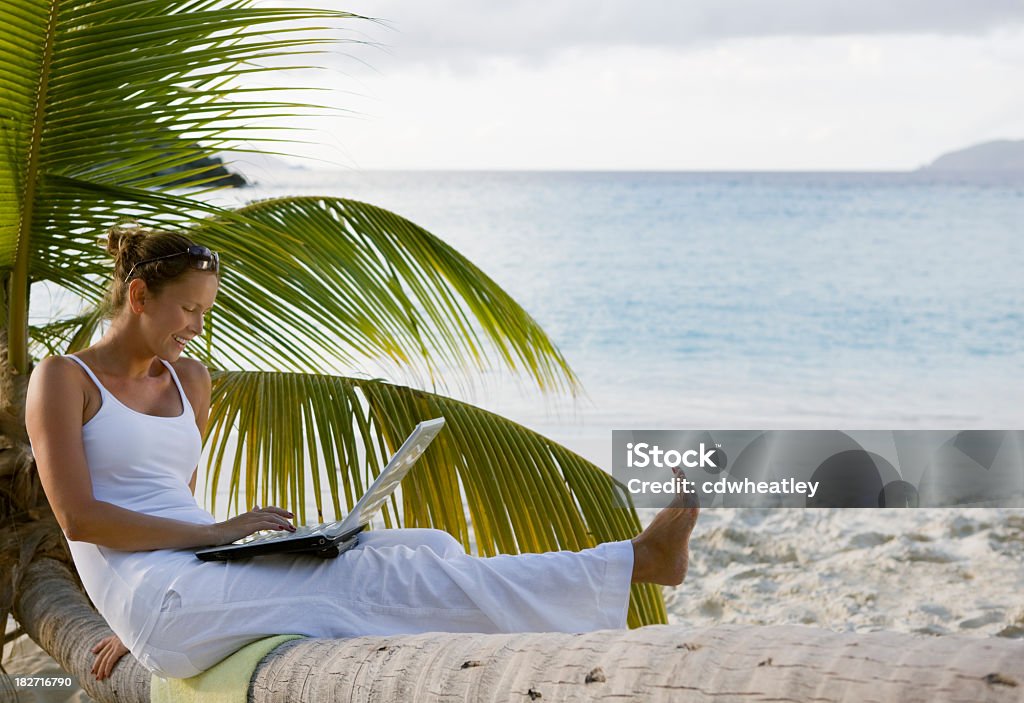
(661, 552)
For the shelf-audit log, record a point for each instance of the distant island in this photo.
(214, 173)
(232, 169)
(1003, 155)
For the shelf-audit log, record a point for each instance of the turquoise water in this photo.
(741, 299)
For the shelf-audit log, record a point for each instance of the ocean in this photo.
(737, 300)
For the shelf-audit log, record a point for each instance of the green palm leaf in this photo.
(326, 283)
(98, 95)
(66, 335)
(311, 283)
(287, 435)
(104, 93)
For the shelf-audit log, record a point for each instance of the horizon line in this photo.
(772, 171)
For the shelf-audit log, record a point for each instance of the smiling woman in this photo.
(117, 431)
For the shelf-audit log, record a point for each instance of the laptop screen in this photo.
(389, 478)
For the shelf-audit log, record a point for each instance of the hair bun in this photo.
(124, 242)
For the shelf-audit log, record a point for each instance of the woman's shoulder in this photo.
(192, 370)
(58, 379)
(57, 368)
(194, 378)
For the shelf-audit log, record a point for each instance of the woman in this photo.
(116, 433)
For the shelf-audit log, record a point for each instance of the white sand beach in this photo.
(929, 571)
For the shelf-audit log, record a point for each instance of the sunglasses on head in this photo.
(199, 258)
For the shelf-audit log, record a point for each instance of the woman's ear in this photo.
(137, 294)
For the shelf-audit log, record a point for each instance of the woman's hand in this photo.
(268, 518)
(108, 651)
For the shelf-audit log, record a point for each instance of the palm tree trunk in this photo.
(655, 663)
(54, 611)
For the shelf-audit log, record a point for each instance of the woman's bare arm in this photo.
(53, 416)
(112, 526)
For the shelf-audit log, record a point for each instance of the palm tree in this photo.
(99, 100)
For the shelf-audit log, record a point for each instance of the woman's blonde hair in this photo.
(129, 243)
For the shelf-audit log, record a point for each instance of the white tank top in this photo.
(143, 463)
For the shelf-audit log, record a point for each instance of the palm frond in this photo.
(309, 283)
(493, 484)
(105, 93)
(67, 335)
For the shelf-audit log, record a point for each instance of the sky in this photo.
(663, 85)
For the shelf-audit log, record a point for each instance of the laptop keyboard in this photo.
(273, 535)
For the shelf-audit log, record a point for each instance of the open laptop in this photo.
(332, 538)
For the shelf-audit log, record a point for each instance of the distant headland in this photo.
(1003, 155)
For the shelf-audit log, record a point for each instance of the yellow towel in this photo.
(225, 682)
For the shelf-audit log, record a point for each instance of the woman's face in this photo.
(176, 313)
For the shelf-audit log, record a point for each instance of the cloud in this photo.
(521, 85)
(460, 30)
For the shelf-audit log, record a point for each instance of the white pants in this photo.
(394, 582)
